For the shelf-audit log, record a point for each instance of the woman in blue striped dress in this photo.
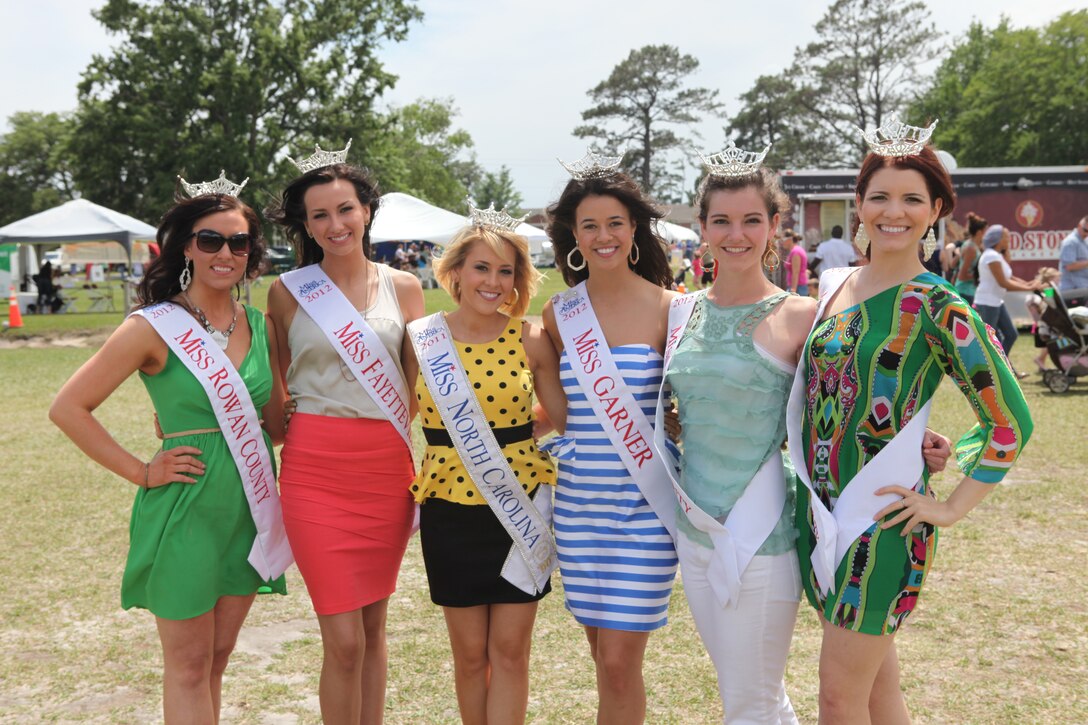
(616, 556)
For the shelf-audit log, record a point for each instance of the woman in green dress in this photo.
(191, 530)
(884, 337)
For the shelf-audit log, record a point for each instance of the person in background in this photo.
(966, 277)
(995, 278)
(795, 264)
(1073, 262)
(834, 252)
(1045, 279)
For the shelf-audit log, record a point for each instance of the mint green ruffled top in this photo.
(732, 402)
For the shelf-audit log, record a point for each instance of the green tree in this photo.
(772, 114)
(194, 86)
(862, 68)
(1013, 97)
(415, 149)
(643, 106)
(35, 166)
(498, 188)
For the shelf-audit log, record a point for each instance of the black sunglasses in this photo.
(211, 242)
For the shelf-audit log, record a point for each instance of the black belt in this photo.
(505, 436)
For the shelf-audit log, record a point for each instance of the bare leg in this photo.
(510, 635)
(886, 703)
(195, 654)
(468, 630)
(849, 662)
(375, 663)
(230, 613)
(620, 687)
(343, 640)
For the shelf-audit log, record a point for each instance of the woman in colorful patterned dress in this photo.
(886, 336)
(191, 531)
(508, 362)
(616, 556)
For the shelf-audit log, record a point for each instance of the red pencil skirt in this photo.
(346, 507)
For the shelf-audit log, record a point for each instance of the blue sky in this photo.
(518, 71)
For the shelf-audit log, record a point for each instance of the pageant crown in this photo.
(593, 166)
(491, 219)
(321, 158)
(734, 161)
(222, 185)
(896, 138)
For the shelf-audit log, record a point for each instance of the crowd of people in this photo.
(670, 411)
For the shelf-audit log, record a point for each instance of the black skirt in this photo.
(464, 548)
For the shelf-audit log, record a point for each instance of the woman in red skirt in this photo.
(347, 460)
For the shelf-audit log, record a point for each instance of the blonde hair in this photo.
(526, 276)
(1046, 274)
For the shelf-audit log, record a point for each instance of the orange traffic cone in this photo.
(15, 317)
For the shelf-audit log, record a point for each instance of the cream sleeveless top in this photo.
(318, 379)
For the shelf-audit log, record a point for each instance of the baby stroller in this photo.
(1065, 331)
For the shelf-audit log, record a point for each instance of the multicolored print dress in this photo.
(869, 369)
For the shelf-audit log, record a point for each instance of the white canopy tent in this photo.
(403, 217)
(76, 221)
(674, 233)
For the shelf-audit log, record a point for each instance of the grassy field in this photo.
(1001, 635)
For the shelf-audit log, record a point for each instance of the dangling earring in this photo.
(571, 265)
(633, 258)
(770, 258)
(186, 277)
(861, 239)
(517, 296)
(929, 243)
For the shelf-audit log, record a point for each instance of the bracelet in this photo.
(147, 473)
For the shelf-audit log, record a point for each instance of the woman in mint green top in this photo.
(191, 529)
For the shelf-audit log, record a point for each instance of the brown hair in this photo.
(289, 211)
(526, 276)
(766, 183)
(925, 162)
(160, 281)
(975, 224)
(653, 262)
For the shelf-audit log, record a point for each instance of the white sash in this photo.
(354, 341)
(754, 515)
(900, 463)
(532, 557)
(229, 398)
(615, 407)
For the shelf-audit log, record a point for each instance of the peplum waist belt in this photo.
(505, 436)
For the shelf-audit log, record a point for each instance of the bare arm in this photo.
(915, 508)
(967, 260)
(282, 308)
(1014, 284)
(544, 364)
(134, 346)
(272, 412)
(412, 307)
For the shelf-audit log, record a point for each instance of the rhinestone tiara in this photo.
(222, 185)
(491, 219)
(733, 161)
(321, 158)
(896, 138)
(593, 166)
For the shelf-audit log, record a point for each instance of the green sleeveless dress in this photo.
(189, 542)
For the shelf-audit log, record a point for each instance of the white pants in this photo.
(748, 643)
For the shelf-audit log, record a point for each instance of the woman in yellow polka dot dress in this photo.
(487, 270)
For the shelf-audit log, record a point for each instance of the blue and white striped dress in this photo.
(616, 558)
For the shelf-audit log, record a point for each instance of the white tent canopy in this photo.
(674, 233)
(403, 217)
(78, 220)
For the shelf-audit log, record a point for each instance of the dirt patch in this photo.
(67, 340)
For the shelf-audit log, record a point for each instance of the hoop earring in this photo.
(517, 296)
(929, 243)
(637, 254)
(861, 239)
(771, 260)
(571, 265)
(186, 277)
